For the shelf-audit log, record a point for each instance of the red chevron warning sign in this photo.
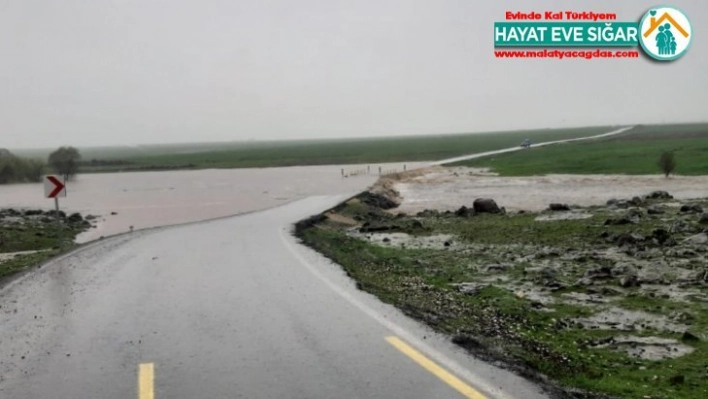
(54, 187)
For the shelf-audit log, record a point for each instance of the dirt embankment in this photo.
(386, 186)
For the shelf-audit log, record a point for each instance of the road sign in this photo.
(54, 187)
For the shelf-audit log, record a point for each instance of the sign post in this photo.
(54, 188)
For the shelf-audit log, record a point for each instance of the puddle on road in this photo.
(582, 299)
(10, 255)
(533, 293)
(404, 240)
(629, 320)
(563, 216)
(648, 348)
(674, 293)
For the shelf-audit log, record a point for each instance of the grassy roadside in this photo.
(30, 237)
(611, 304)
(309, 152)
(634, 152)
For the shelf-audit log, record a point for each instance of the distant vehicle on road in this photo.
(526, 143)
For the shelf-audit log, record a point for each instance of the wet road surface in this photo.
(230, 308)
(513, 149)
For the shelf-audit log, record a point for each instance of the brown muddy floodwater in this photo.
(151, 199)
(449, 188)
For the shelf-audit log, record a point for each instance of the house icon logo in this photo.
(665, 33)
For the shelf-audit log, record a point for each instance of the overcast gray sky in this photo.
(98, 72)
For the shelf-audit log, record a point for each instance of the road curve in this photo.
(230, 308)
(512, 149)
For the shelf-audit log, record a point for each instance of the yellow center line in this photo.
(146, 380)
(461, 387)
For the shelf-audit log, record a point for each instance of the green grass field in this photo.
(308, 152)
(634, 152)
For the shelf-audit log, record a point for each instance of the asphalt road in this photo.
(231, 308)
(514, 149)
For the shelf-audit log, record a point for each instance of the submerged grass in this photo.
(43, 234)
(495, 322)
(21, 263)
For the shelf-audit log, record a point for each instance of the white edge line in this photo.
(443, 360)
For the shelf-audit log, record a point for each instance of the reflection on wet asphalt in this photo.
(226, 308)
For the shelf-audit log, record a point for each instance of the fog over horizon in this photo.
(130, 72)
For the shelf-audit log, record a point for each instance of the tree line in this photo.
(13, 169)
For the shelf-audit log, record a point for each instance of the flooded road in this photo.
(233, 308)
(450, 188)
(151, 199)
